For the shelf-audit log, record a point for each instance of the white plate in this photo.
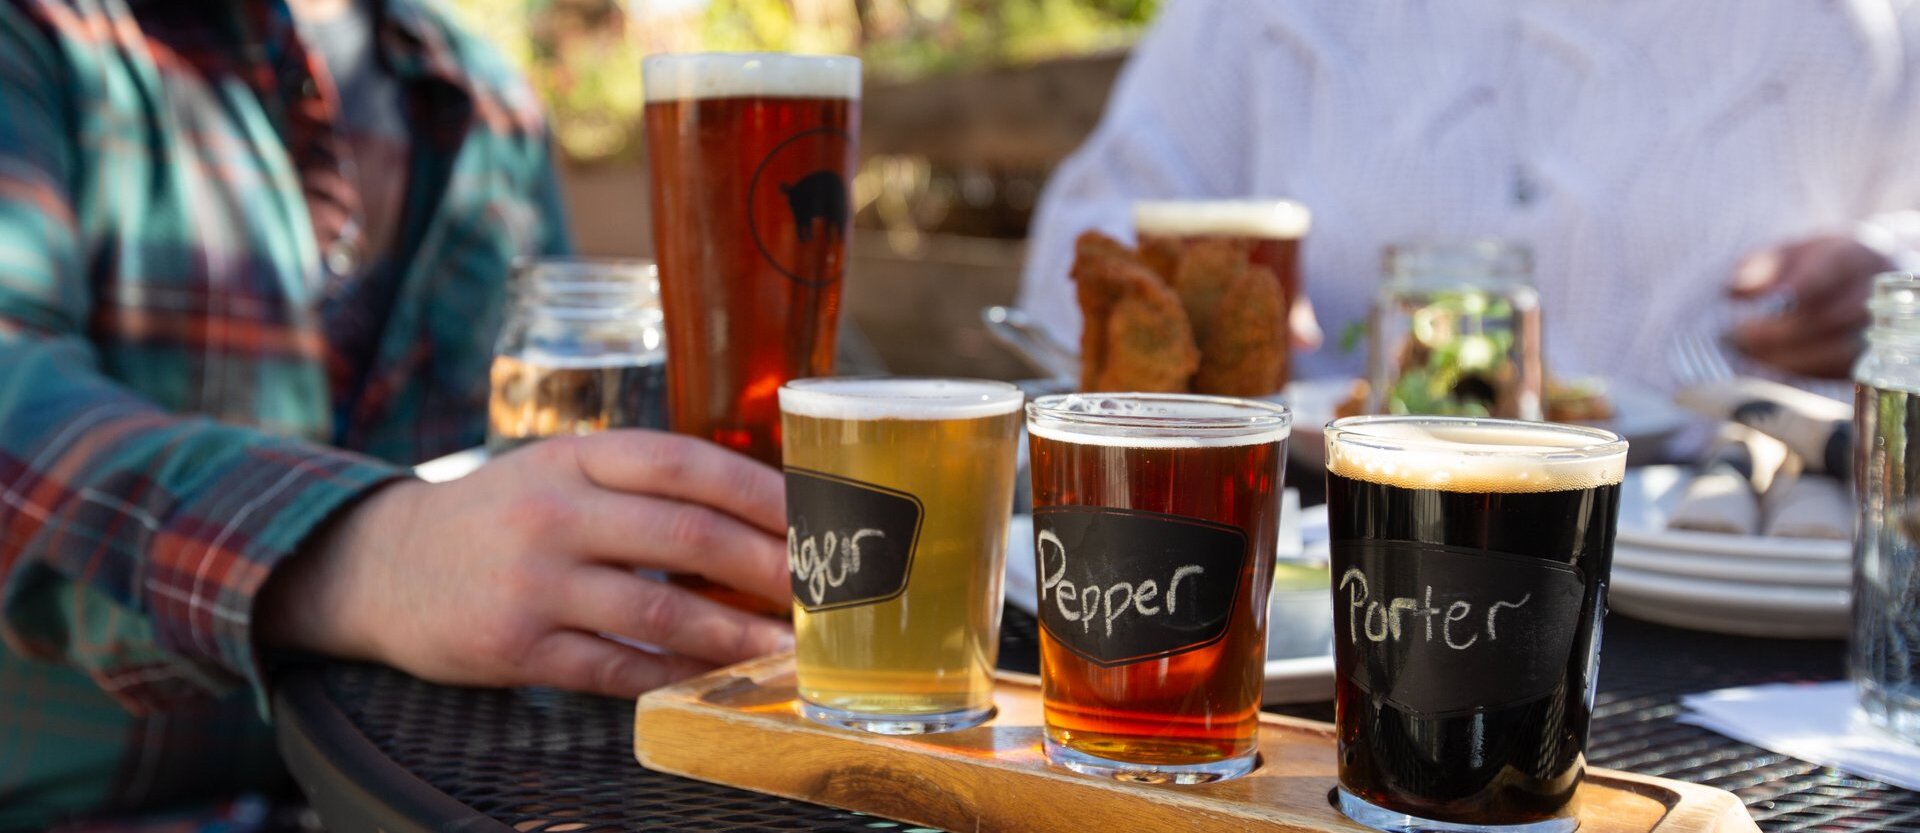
(1293, 680)
(1730, 607)
(1740, 584)
(1648, 495)
(1644, 417)
(1729, 567)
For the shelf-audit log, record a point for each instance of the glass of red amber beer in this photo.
(1470, 561)
(1155, 521)
(750, 157)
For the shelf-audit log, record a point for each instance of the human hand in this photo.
(508, 575)
(1826, 281)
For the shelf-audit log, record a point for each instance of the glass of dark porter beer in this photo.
(1155, 524)
(1470, 561)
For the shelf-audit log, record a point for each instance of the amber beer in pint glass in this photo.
(898, 495)
(1268, 231)
(751, 156)
(1470, 562)
(1155, 518)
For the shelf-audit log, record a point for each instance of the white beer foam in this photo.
(862, 398)
(1157, 421)
(1507, 458)
(1273, 219)
(543, 359)
(744, 74)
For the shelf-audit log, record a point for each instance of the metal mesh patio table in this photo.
(377, 749)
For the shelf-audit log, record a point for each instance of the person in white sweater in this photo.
(1664, 161)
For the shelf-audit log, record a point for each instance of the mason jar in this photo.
(1885, 646)
(1455, 331)
(582, 349)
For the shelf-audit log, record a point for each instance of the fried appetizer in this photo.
(1135, 336)
(1243, 348)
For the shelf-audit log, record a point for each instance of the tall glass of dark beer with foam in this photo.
(1470, 561)
(1155, 520)
(751, 156)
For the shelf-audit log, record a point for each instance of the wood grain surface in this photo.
(739, 726)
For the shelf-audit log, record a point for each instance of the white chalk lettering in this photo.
(1456, 612)
(1173, 584)
(1381, 621)
(1111, 606)
(1147, 590)
(1496, 609)
(825, 562)
(1116, 611)
(1062, 594)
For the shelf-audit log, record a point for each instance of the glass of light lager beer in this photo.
(1470, 561)
(898, 496)
(1155, 523)
(750, 157)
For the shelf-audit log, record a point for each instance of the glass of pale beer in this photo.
(899, 492)
(751, 157)
(1470, 561)
(1155, 520)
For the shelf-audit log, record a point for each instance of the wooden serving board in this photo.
(740, 726)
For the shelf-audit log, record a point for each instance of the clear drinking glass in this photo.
(583, 349)
(1456, 331)
(1268, 232)
(1156, 519)
(898, 497)
(1470, 561)
(750, 157)
(1885, 662)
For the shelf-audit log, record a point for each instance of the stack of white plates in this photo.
(1739, 584)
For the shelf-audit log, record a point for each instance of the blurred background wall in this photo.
(968, 105)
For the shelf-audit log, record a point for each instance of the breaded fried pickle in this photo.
(1206, 268)
(1135, 335)
(1162, 255)
(1243, 350)
(1149, 345)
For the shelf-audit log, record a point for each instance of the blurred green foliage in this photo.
(583, 56)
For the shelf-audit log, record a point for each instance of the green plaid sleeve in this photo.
(133, 541)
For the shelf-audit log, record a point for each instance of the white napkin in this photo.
(1816, 722)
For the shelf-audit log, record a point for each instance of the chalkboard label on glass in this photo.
(848, 543)
(1119, 586)
(1440, 631)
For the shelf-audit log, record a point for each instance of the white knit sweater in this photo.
(1641, 147)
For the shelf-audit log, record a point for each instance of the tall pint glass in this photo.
(1470, 561)
(898, 495)
(1267, 233)
(750, 158)
(1155, 522)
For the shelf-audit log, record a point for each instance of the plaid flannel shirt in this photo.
(170, 424)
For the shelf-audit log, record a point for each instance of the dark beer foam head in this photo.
(1470, 455)
(1157, 420)
(749, 74)
(898, 397)
(1271, 219)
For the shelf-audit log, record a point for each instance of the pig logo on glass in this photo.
(800, 205)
